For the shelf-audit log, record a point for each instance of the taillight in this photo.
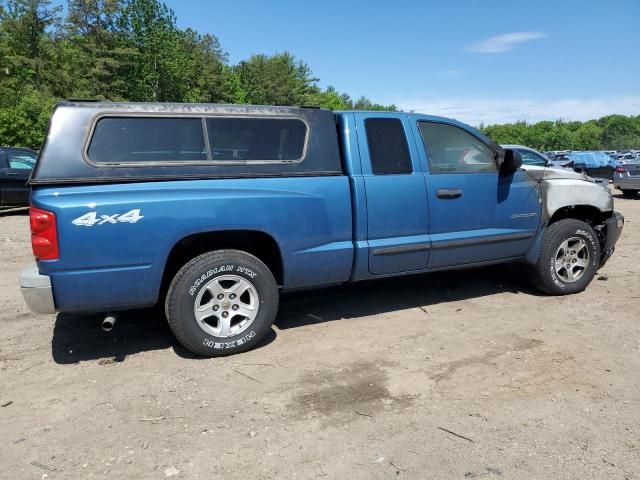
(44, 236)
(620, 170)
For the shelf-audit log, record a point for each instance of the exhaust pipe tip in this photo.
(108, 323)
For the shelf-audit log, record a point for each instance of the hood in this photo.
(554, 173)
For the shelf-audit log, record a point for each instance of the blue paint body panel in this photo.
(397, 209)
(330, 228)
(497, 218)
(120, 265)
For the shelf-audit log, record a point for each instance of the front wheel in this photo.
(221, 303)
(569, 258)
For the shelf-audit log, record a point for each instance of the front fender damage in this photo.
(557, 194)
(564, 194)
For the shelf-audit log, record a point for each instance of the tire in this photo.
(206, 286)
(629, 193)
(561, 240)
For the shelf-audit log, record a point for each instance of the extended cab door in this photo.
(396, 197)
(476, 213)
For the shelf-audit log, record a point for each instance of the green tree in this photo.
(89, 60)
(613, 132)
(25, 26)
(149, 27)
(329, 98)
(279, 79)
(588, 136)
(364, 103)
(24, 123)
(619, 132)
(232, 90)
(203, 71)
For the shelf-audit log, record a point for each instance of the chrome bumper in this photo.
(36, 290)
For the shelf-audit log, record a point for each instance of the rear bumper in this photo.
(614, 229)
(36, 290)
(626, 182)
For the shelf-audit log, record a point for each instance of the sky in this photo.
(477, 61)
(491, 61)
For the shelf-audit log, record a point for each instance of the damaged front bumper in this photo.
(614, 226)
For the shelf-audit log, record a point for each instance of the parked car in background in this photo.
(533, 157)
(15, 169)
(530, 156)
(561, 161)
(596, 164)
(627, 178)
(629, 157)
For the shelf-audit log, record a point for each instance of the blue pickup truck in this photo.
(212, 210)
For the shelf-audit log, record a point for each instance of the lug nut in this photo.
(215, 308)
(220, 296)
(235, 307)
(225, 314)
(232, 296)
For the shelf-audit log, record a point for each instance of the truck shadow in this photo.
(381, 296)
(79, 338)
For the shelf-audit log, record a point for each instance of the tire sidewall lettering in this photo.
(216, 343)
(222, 269)
(594, 248)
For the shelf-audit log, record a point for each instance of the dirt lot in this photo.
(355, 382)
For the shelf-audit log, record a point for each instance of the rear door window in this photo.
(145, 139)
(388, 147)
(256, 139)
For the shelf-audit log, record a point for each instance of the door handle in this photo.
(449, 193)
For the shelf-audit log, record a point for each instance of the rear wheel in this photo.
(221, 303)
(629, 193)
(569, 258)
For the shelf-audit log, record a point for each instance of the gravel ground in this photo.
(469, 374)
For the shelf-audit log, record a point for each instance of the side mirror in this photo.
(512, 161)
(499, 158)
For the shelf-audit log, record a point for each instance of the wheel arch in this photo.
(586, 213)
(257, 243)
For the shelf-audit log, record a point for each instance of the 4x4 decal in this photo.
(90, 219)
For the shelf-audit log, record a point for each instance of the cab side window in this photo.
(388, 147)
(451, 149)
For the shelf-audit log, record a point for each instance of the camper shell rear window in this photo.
(143, 140)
